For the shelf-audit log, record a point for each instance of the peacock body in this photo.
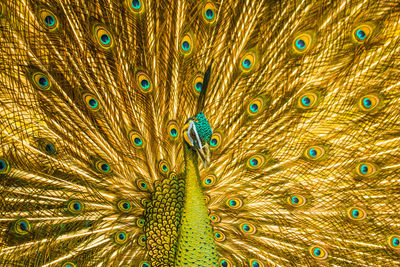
(199, 133)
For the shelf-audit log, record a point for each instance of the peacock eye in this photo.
(186, 45)
(361, 33)
(225, 262)
(135, 6)
(247, 228)
(215, 141)
(172, 128)
(219, 236)
(163, 167)
(142, 185)
(142, 240)
(365, 169)
(48, 20)
(209, 180)
(369, 102)
(308, 100)
(209, 13)
(318, 252)
(103, 37)
(136, 139)
(121, 237)
(296, 200)
(248, 62)
(356, 213)
(394, 241)
(22, 226)
(214, 218)
(302, 43)
(144, 82)
(144, 264)
(41, 81)
(256, 162)
(140, 222)
(68, 264)
(91, 102)
(103, 167)
(4, 166)
(197, 83)
(256, 263)
(314, 152)
(75, 206)
(124, 206)
(234, 203)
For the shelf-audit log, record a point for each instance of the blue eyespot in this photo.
(105, 39)
(361, 34)
(143, 185)
(224, 263)
(396, 242)
(49, 20)
(295, 200)
(49, 148)
(255, 264)
(3, 165)
(185, 46)
(217, 235)
(126, 205)
(254, 107)
(317, 252)
(355, 213)
(246, 63)
(23, 226)
(136, 4)
(300, 44)
(208, 181)
(364, 169)
(105, 167)
(93, 103)
(214, 142)
(254, 162)
(76, 206)
(174, 133)
(232, 203)
(145, 84)
(367, 102)
(198, 86)
(145, 265)
(313, 153)
(306, 101)
(209, 14)
(138, 141)
(121, 236)
(246, 228)
(43, 82)
(165, 168)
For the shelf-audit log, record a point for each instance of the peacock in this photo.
(225, 133)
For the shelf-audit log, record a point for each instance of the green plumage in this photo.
(300, 116)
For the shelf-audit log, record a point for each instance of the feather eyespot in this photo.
(173, 131)
(223, 262)
(255, 162)
(197, 83)
(75, 206)
(361, 33)
(365, 169)
(318, 252)
(136, 139)
(308, 100)
(91, 102)
(369, 102)
(357, 214)
(215, 141)
(103, 167)
(41, 81)
(314, 152)
(394, 241)
(256, 263)
(248, 228)
(144, 82)
(186, 45)
(142, 240)
(214, 218)
(4, 166)
(48, 20)
(209, 180)
(219, 236)
(136, 6)
(68, 264)
(247, 62)
(22, 227)
(142, 185)
(302, 43)
(256, 106)
(234, 203)
(124, 206)
(120, 237)
(144, 264)
(296, 200)
(140, 223)
(47, 147)
(163, 167)
(209, 15)
(103, 37)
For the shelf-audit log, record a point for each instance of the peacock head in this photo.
(197, 133)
